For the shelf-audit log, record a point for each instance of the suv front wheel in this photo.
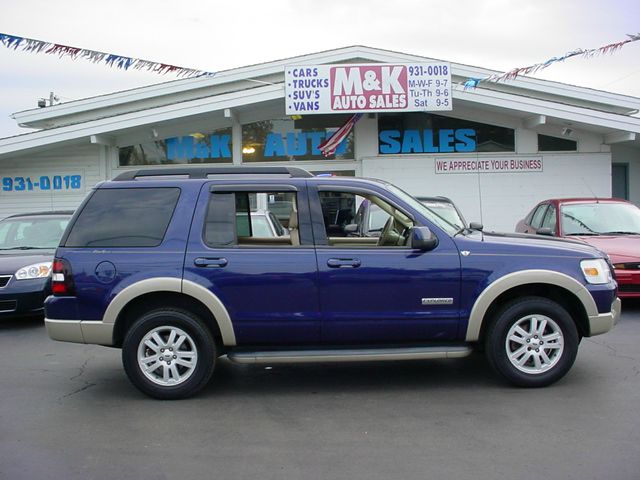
(169, 354)
(533, 342)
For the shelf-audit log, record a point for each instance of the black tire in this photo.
(560, 353)
(182, 381)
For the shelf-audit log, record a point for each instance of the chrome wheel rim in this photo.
(534, 344)
(167, 356)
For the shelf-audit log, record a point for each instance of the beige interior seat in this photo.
(293, 228)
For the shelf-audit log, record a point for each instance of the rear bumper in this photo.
(604, 322)
(80, 331)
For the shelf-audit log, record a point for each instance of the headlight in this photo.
(596, 271)
(37, 270)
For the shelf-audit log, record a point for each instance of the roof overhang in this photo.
(256, 92)
(51, 116)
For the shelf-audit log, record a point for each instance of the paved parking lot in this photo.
(68, 412)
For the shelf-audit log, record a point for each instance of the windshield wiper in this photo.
(582, 234)
(25, 248)
(620, 232)
(579, 222)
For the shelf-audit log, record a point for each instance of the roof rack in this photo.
(207, 172)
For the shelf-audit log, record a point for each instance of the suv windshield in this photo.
(32, 232)
(430, 214)
(600, 219)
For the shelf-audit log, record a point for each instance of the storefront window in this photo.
(547, 143)
(286, 139)
(405, 133)
(212, 147)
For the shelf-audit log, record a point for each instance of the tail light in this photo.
(61, 279)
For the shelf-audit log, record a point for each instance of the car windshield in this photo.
(445, 210)
(24, 233)
(600, 219)
(441, 222)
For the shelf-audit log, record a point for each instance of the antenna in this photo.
(589, 188)
(53, 98)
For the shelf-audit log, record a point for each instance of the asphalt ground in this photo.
(68, 411)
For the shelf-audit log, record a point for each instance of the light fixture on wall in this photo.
(567, 132)
(248, 150)
(154, 133)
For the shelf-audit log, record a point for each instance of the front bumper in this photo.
(22, 298)
(628, 283)
(604, 322)
(80, 331)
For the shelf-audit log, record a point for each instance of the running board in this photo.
(347, 355)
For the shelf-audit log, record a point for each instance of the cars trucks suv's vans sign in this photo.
(368, 88)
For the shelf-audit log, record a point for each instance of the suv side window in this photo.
(244, 219)
(124, 217)
(347, 223)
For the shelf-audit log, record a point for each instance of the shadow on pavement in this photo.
(22, 323)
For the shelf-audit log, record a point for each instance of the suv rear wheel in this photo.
(533, 342)
(169, 354)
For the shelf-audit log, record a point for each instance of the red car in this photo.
(610, 224)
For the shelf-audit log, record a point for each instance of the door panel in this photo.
(268, 286)
(382, 294)
(372, 295)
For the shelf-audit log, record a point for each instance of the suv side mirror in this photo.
(545, 231)
(423, 239)
(476, 226)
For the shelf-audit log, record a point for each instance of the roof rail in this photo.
(206, 172)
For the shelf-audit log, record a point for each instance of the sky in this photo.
(219, 35)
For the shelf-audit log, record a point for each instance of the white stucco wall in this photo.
(630, 156)
(87, 161)
(499, 200)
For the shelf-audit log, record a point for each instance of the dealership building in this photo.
(496, 150)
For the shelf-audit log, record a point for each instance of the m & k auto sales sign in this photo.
(372, 87)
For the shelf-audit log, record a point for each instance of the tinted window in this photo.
(285, 139)
(124, 217)
(245, 218)
(418, 132)
(207, 147)
(555, 144)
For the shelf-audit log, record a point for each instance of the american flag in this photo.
(328, 147)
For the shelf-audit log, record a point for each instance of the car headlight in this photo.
(37, 270)
(596, 271)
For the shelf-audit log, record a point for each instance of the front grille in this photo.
(8, 305)
(629, 266)
(628, 288)
(4, 279)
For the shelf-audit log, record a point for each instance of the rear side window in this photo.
(124, 217)
(536, 218)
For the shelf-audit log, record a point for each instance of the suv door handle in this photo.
(343, 262)
(210, 262)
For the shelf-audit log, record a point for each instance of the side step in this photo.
(347, 355)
